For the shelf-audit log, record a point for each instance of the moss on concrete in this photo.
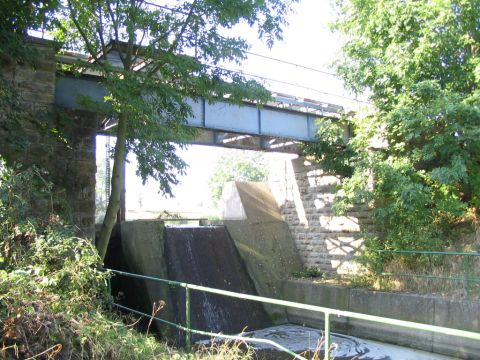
(264, 242)
(143, 250)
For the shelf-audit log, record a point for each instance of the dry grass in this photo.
(225, 350)
(445, 276)
(437, 275)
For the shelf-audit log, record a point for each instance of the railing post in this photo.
(380, 269)
(109, 285)
(467, 264)
(327, 336)
(188, 334)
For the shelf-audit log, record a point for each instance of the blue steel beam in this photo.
(247, 119)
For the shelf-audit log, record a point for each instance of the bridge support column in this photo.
(305, 195)
(69, 154)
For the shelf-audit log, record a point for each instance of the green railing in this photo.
(461, 269)
(326, 311)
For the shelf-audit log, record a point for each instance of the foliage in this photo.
(54, 300)
(26, 202)
(415, 155)
(165, 55)
(12, 113)
(308, 272)
(237, 166)
(19, 51)
(16, 18)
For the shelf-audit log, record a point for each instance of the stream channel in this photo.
(207, 256)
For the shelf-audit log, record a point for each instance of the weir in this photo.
(253, 253)
(207, 256)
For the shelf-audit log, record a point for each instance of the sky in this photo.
(308, 41)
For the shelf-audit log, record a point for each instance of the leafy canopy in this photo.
(19, 16)
(16, 18)
(415, 155)
(167, 53)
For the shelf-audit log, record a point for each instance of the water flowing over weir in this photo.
(207, 256)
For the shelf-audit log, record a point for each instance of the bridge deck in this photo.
(277, 126)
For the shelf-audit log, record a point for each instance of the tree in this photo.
(239, 166)
(420, 62)
(165, 53)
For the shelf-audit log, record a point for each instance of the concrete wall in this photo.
(263, 241)
(138, 247)
(70, 160)
(459, 314)
(305, 195)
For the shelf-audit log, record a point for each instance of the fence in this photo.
(452, 273)
(326, 311)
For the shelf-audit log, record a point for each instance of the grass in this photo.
(435, 275)
(442, 275)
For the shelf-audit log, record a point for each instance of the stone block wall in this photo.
(69, 158)
(305, 195)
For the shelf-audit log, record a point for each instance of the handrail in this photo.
(182, 219)
(428, 252)
(208, 333)
(469, 273)
(327, 312)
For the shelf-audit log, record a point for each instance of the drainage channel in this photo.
(308, 342)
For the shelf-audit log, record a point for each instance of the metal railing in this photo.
(465, 273)
(326, 311)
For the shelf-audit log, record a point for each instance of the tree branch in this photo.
(84, 35)
(127, 63)
(174, 45)
(100, 30)
(184, 27)
(136, 52)
(115, 25)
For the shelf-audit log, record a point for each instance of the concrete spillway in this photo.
(207, 256)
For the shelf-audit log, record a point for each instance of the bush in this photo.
(54, 294)
(414, 155)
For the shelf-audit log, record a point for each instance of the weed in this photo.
(308, 272)
(54, 300)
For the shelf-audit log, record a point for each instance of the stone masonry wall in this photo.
(70, 159)
(305, 195)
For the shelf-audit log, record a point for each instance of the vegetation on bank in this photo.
(54, 299)
(414, 156)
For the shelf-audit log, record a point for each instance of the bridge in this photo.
(280, 125)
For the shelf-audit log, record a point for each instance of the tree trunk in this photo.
(116, 188)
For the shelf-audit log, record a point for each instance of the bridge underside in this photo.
(247, 142)
(278, 126)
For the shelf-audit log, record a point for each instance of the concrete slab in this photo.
(335, 297)
(143, 250)
(393, 305)
(263, 240)
(257, 201)
(457, 314)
